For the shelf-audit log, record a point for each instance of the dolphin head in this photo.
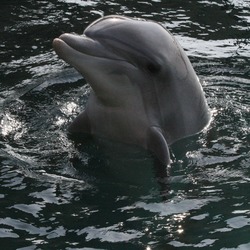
(116, 47)
(138, 63)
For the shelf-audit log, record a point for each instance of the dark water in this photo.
(56, 194)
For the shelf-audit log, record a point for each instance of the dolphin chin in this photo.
(144, 88)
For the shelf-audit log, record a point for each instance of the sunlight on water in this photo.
(214, 49)
(109, 234)
(10, 125)
(81, 3)
(203, 243)
(181, 208)
(240, 247)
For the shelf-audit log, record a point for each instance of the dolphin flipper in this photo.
(157, 144)
(81, 124)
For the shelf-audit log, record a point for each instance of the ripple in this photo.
(23, 226)
(109, 234)
(214, 48)
(33, 209)
(238, 222)
(7, 233)
(82, 3)
(181, 207)
(203, 243)
(200, 159)
(240, 247)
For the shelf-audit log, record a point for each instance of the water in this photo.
(58, 194)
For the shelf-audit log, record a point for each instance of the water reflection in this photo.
(9, 125)
(55, 194)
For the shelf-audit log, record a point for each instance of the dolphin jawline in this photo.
(83, 45)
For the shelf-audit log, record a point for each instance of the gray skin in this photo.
(144, 88)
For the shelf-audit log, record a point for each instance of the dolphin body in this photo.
(144, 88)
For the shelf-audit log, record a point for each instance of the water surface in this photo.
(58, 194)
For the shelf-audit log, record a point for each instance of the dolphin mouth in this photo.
(70, 45)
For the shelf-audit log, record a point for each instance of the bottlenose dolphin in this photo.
(144, 88)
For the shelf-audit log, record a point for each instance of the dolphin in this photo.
(144, 89)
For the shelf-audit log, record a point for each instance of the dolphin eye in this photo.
(153, 68)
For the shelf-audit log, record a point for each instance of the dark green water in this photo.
(55, 194)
